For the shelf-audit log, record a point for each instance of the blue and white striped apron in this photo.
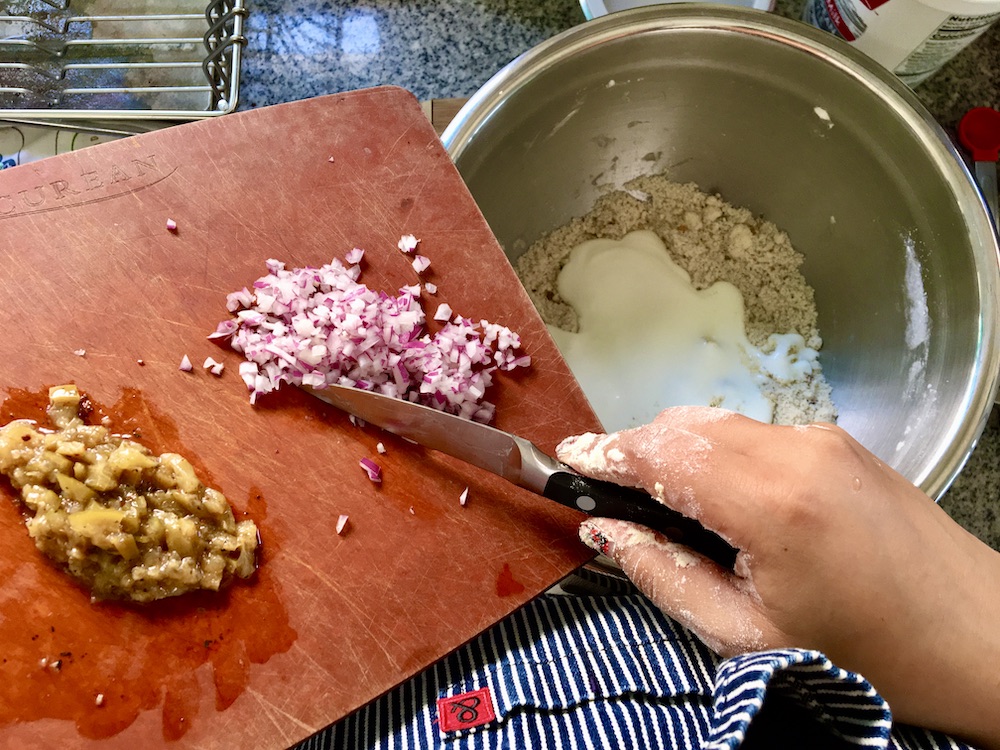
(611, 671)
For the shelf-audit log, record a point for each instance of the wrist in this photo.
(951, 682)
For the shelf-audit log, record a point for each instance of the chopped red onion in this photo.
(225, 329)
(407, 243)
(420, 263)
(444, 312)
(321, 326)
(341, 524)
(464, 497)
(354, 256)
(236, 300)
(331, 160)
(185, 364)
(214, 367)
(380, 447)
(171, 225)
(80, 352)
(373, 470)
(431, 288)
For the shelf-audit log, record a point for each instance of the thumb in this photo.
(690, 588)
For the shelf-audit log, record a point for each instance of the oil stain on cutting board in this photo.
(330, 622)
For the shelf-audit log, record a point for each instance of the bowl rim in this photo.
(596, 8)
(967, 426)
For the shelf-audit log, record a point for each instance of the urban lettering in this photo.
(85, 186)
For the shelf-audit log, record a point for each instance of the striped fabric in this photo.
(842, 702)
(612, 672)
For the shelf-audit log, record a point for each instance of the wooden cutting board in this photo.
(330, 622)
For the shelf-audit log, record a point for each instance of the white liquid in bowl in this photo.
(648, 339)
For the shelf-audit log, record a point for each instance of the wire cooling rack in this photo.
(84, 59)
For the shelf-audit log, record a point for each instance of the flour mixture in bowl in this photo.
(664, 295)
(126, 523)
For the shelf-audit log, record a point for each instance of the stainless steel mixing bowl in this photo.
(896, 238)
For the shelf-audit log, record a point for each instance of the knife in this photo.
(521, 462)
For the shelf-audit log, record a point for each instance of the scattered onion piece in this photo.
(80, 352)
(212, 366)
(354, 256)
(341, 524)
(373, 470)
(464, 497)
(407, 243)
(431, 288)
(380, 448)
(444, 312)
(171, 225)
(412, 512)
(185, 364)
(420, 263)
(331, 160)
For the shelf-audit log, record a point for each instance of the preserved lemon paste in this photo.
(124, 522)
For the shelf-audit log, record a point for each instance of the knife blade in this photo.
(522, 463)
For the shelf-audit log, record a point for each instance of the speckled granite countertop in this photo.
(448, 48)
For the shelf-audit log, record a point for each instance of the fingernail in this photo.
(575, 444)
(594, 537)
(566, 445)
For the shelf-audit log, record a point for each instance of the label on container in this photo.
(845, 18)
(839, 17)
(906, 36)
(947, 40)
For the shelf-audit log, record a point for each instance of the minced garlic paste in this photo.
(126, 523)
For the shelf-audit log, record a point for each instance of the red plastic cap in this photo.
(979, 131)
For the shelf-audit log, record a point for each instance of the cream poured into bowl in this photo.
(648, 339)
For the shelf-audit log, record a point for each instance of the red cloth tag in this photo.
(464, 711)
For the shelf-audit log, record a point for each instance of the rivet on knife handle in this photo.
(612, 501)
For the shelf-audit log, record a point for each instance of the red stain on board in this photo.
(137, 658)
(507, 585)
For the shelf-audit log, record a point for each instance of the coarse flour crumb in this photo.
(713, 241)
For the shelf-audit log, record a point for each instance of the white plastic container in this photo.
(912, 38)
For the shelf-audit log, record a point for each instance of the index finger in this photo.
(710, 464)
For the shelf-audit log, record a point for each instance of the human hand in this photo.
(837, 552)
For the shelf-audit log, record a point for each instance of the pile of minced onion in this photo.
(321, 326)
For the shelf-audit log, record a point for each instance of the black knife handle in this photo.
(609, 500)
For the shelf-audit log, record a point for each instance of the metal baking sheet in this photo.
(103, 59)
